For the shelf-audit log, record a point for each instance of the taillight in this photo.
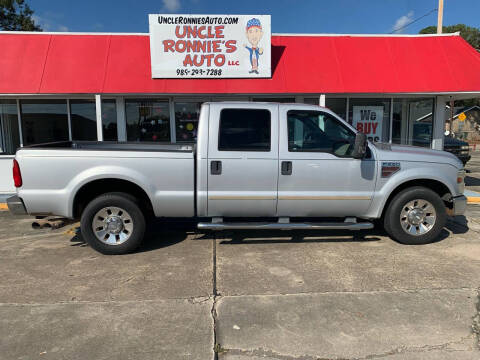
(17, 175)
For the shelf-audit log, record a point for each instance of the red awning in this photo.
(77, 64)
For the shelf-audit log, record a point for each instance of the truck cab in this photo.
(281, 160)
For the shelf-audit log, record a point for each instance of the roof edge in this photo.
(273, 34)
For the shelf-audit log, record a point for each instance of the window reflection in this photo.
(147, 120)
(109, 120)
(186, 120)
(44, 121)
(337, 105)
(9, 134)
(413, 122)
(84, 121)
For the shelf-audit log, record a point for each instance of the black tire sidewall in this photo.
(121, 200)
(392, 217)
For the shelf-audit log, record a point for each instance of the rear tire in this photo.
(415, 216)
(113, 224)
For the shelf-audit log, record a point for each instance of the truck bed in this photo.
(114, 146)
(53, 173)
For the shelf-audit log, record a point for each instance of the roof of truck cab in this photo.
(89, 63)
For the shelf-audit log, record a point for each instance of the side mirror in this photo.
(360, 147)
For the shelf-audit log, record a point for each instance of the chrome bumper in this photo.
(16, 205)
(459, 205)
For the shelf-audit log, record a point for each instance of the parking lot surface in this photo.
(240, 295)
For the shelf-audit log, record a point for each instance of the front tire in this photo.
(113, 224)
(415, 216)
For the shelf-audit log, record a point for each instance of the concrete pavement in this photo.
(243, 295)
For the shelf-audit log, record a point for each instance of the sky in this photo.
(288, 16)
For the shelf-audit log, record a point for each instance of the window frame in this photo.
(245, 150)
(318, 151)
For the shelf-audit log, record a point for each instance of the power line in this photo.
(414, 21)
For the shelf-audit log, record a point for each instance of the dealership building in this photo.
(99, 86)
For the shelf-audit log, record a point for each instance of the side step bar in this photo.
(284, 226)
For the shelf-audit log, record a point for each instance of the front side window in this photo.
(315, 131)
(244, 130)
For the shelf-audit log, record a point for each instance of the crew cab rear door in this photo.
(318, 177)
(243, 160)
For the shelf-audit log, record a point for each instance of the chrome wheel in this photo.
(112, 225)
(418, 217)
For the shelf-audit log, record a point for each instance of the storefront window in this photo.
(186, 120)
(44, 121)
(84, 120)
(337, 105)
(147, 120)
(9, 134)
(312, 100)
(274, 99)
(109, 120)
(372, 117)
(413, 121)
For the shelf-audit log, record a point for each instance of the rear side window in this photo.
(244, 130)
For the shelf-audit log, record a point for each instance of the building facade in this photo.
(98, 87)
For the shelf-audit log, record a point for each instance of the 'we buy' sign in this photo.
(368, 120)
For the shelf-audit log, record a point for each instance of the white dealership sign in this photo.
(210, 46)
(368, 120)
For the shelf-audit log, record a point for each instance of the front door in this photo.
(242, 160)
(317, 175)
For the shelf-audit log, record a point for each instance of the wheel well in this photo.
(434, 185)
(93, 189)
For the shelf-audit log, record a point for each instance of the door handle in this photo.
(286, 168)
(216, 167)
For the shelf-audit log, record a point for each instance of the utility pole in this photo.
(440, 17)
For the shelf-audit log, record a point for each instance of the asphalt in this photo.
(245, 295)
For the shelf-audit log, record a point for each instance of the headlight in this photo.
(461, 181)
(465, 147)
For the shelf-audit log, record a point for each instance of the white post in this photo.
(19, 118)
(98, 107)
(391, 122)
(173, 130)
(121, 119)
(440, 17)
(69, 116)
(321, 101)
(439, 123)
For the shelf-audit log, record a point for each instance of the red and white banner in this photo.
(210, 46)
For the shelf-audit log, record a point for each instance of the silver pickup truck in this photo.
(255, 166)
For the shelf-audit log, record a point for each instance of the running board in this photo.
(284, 226)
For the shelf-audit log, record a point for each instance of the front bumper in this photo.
(459, 205)
(16, 205)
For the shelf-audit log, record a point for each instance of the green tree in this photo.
(16, 15)
(470, 34)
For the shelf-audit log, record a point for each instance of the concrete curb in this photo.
(473, 197)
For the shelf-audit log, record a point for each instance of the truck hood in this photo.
(391, 152)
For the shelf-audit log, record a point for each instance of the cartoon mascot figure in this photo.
(254, 35)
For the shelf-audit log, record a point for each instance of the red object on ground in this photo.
(77, 64)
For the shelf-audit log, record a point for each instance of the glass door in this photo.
(413, 122)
